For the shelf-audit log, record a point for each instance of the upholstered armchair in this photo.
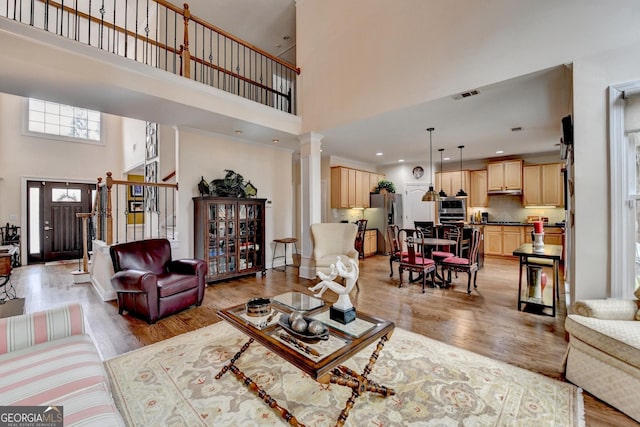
(331, 240)
(604, 351)
(151, 285)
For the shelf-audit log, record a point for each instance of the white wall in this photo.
(360, 58)
(133, 143)
(33, 157)
(268, 168)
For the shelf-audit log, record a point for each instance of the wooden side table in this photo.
(7, 291)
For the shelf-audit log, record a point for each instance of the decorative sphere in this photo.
(316, 327)
(299, 325)
(295, 316)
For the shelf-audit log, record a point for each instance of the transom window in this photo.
(64, 121)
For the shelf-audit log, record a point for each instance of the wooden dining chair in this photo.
(441, 252)
(395, 248)
(415, 261)
(359, 242)
(467, 265)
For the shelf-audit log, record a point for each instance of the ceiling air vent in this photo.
(466, 94)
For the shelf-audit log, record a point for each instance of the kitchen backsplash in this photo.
(509, 208)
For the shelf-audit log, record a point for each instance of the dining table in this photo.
(429, 243)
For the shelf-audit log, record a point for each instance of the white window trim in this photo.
(622, 222)
(27, 132)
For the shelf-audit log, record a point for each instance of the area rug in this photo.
(171, 383)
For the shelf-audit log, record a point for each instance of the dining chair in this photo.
(359, 242)
(467, 265)
(395, 248)
(442, 252)
(415, 261)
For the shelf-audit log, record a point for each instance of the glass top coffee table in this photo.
(321, 360)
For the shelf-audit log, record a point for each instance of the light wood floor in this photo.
(487, 322)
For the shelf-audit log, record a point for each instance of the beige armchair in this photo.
(331, 240)
(604, 351)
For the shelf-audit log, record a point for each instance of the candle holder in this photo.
(538, 242)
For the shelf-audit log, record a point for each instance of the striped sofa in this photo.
(603, 356)
(46, 358)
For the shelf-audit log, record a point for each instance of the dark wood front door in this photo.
(55, 233)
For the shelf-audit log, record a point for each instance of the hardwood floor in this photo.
(487, 322)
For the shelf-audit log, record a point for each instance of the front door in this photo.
(55, 233)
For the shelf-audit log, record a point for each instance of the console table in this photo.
(550, 257)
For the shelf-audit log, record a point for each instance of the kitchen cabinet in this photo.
(229, 235)
(543, 185)
(370, 242)
(502, 240)
(478, 194)
(452, 182)
(350, 188)
(504, 176)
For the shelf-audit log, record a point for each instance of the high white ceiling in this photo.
(536, 102)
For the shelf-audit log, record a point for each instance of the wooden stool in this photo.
(285, 241)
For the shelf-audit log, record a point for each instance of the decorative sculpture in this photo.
(342, 311)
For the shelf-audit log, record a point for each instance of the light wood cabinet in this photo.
(543, 185)
(478, 194)
(452, 182)
(504, 176)
(229, 236)
(370, 242)
(493, 240)
(502, 240)
(350, 188)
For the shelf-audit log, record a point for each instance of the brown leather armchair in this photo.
(149, 284)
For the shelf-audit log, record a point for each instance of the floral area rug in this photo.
(171, 383)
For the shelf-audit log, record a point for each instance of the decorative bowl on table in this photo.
(258, 307)
(304, 328)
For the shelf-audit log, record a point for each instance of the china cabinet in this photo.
(229, 235)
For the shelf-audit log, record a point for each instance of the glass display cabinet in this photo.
(229, 236)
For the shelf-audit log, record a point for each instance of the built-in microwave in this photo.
(452, 209)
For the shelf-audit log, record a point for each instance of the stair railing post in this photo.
(186, 57)
(97, 209)
(108, 210)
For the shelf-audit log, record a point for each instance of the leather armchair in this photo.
(151, 285)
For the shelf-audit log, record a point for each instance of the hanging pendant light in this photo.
(441, 193)
(431, 195)
(461, 193)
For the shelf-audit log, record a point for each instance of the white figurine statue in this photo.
(350, 275)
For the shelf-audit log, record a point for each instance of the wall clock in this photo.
(418, 172)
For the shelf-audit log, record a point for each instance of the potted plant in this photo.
(385, 186)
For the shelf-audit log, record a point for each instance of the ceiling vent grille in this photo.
(466, 94)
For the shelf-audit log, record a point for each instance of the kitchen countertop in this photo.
(518, 224)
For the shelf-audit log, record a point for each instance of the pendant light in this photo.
(461, 193)
(441, 193)
(431, 195)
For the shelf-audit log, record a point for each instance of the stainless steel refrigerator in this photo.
(386, 209)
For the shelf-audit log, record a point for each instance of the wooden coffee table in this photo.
(322, 360)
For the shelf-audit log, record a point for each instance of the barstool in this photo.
(285, 241)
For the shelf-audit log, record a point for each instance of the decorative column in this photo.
(310, 203)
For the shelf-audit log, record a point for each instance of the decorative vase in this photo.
(538, 242)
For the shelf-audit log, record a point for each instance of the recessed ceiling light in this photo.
(286, 37)
(499, 152)
(275, 141)
(379, 154)
(238, 131)
(401, 161)
(447, 158)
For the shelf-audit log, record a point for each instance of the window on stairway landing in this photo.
(59, 121)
